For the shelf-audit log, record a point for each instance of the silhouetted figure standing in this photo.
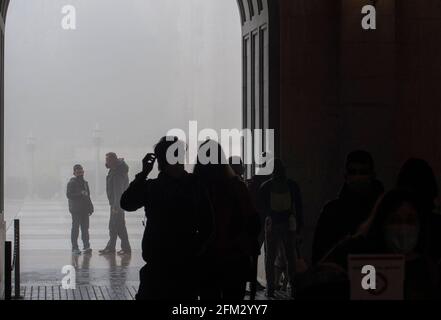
(254, 185)
(117, 182)
(417, 176)
(394, 227)
(343, 216)
(179, 225)
(227, 264)
(80, 207)
(281, 201)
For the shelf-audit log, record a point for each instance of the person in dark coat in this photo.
(254, 185)
(228, 262)
(417, 176)
(117, 182)
(393, 227)
(80, 207)
(180, 225)
(343, 216)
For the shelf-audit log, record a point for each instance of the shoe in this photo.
(293, 293)
(270, 294)
(87, 251)
(76, 252)
(124, 252)
(259, 286)
(107, 251)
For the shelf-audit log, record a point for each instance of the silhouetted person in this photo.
(393, 228)
(343, 216)
(80, 207)
(254, 185)
(236, 164)
(117, 182)
(281, 200)
(227, 264)
(417, 176)
(179, 224)
(238, 167)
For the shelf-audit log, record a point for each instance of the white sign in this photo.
(386, 270)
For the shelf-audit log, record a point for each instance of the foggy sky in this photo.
(137, 69)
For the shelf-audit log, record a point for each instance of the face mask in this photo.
(402, 239)
(360, 187)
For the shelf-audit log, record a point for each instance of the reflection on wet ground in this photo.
(45, 250)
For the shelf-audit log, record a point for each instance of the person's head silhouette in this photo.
(212, 164)
(417, 176)
(170, 154)
(359, 171)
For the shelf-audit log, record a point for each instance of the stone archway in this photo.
(260, 75)
(260, 66)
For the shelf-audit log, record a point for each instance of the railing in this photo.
(13, 265)
(2, 255)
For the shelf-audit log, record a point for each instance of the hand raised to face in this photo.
(148, 163)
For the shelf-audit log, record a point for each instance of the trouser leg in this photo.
(75, 231)
(272, 243)
(234, 279)
(289, 243)
(122, 232)
(113, 231)
(85, 231)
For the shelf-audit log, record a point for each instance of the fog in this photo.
(133, 69)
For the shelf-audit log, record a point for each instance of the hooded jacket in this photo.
(117, 181)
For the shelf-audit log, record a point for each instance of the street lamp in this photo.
(30, 147)
(97, 140)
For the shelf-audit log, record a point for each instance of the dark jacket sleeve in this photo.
(250, 219)
(298, 204)
(71, 193)
(321, 243)
(91, 207)
(263, 195)
(136, 194)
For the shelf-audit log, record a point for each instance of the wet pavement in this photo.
(46, 249)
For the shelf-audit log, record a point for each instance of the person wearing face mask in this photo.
(394, 227)
(417, 176)
(343, 216)
(80, 207)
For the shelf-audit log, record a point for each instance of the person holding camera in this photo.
(180, 224)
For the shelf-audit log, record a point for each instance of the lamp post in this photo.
(30, 146)
(97, 140)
